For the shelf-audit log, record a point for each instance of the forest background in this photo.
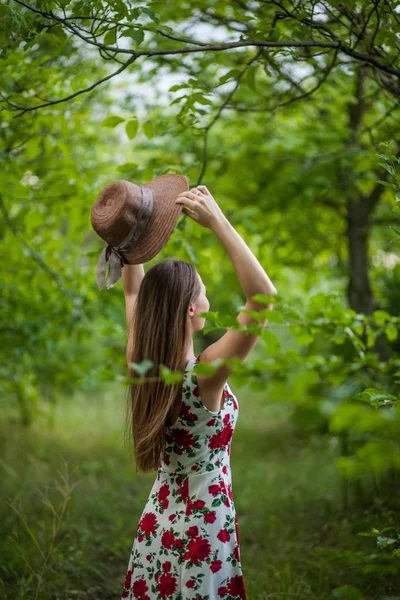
(289, 113)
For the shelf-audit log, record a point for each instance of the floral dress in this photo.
(187, 539)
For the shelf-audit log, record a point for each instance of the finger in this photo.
(189, 195)
(183, 199)
(195, 195)
(203, 189)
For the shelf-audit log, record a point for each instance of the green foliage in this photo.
(294, 141)
(384, 561)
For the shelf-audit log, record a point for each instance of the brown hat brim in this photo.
(166, 188)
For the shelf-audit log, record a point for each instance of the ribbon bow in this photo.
(116, 254)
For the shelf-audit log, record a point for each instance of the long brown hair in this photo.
(161, 334)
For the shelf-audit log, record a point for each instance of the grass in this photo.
(71, 502)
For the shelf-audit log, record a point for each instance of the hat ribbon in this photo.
(115, 254)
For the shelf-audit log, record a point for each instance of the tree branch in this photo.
(88, 89)
(334, 44)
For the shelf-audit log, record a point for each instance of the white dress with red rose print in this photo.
(187, 539)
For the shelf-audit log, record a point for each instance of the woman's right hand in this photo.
(201, 207)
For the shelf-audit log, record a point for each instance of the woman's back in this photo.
(187, 540)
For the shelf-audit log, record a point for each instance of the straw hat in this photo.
(135, 221)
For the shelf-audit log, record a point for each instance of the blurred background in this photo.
(289, 113)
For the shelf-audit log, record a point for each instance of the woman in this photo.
(187, 539)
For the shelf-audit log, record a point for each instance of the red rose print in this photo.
(148, 523)
(226, 434)
(221, 439)
(127, 584)
(187, 414)
(222, 591)
(163, 493)
(214, 489)
(224, 535)
(215, 442)
(236, 586)
(139, 588)
(236, 553)
(183, 438)
(186, 525)
(210, 516)
(193, 531)
(185, 409)
(189, 508)
(167, 585)
(183, 491)
(167, 539)
(198, 549)
(128, 578)
(216, 565)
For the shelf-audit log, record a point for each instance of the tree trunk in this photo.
(359, 292)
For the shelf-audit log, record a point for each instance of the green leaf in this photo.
(128, 32)
(263, 298)
(381, 316)
(128, 167)
(386, 184)
(110, 37)
(375, 397)
(302, 335)
(170, 376)
(131, 128)
(388, 168)
(272, 315)
(142, 367)
(148, 129)
(250, 78)
(232, 74)
(175, 88)
(138, 36)
(151, 14)
(200, 99)
(272, 342)
(112, 121)
(275, 35)
(391, 332)
(347, 592)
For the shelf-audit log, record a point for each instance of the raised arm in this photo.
(132, 276)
